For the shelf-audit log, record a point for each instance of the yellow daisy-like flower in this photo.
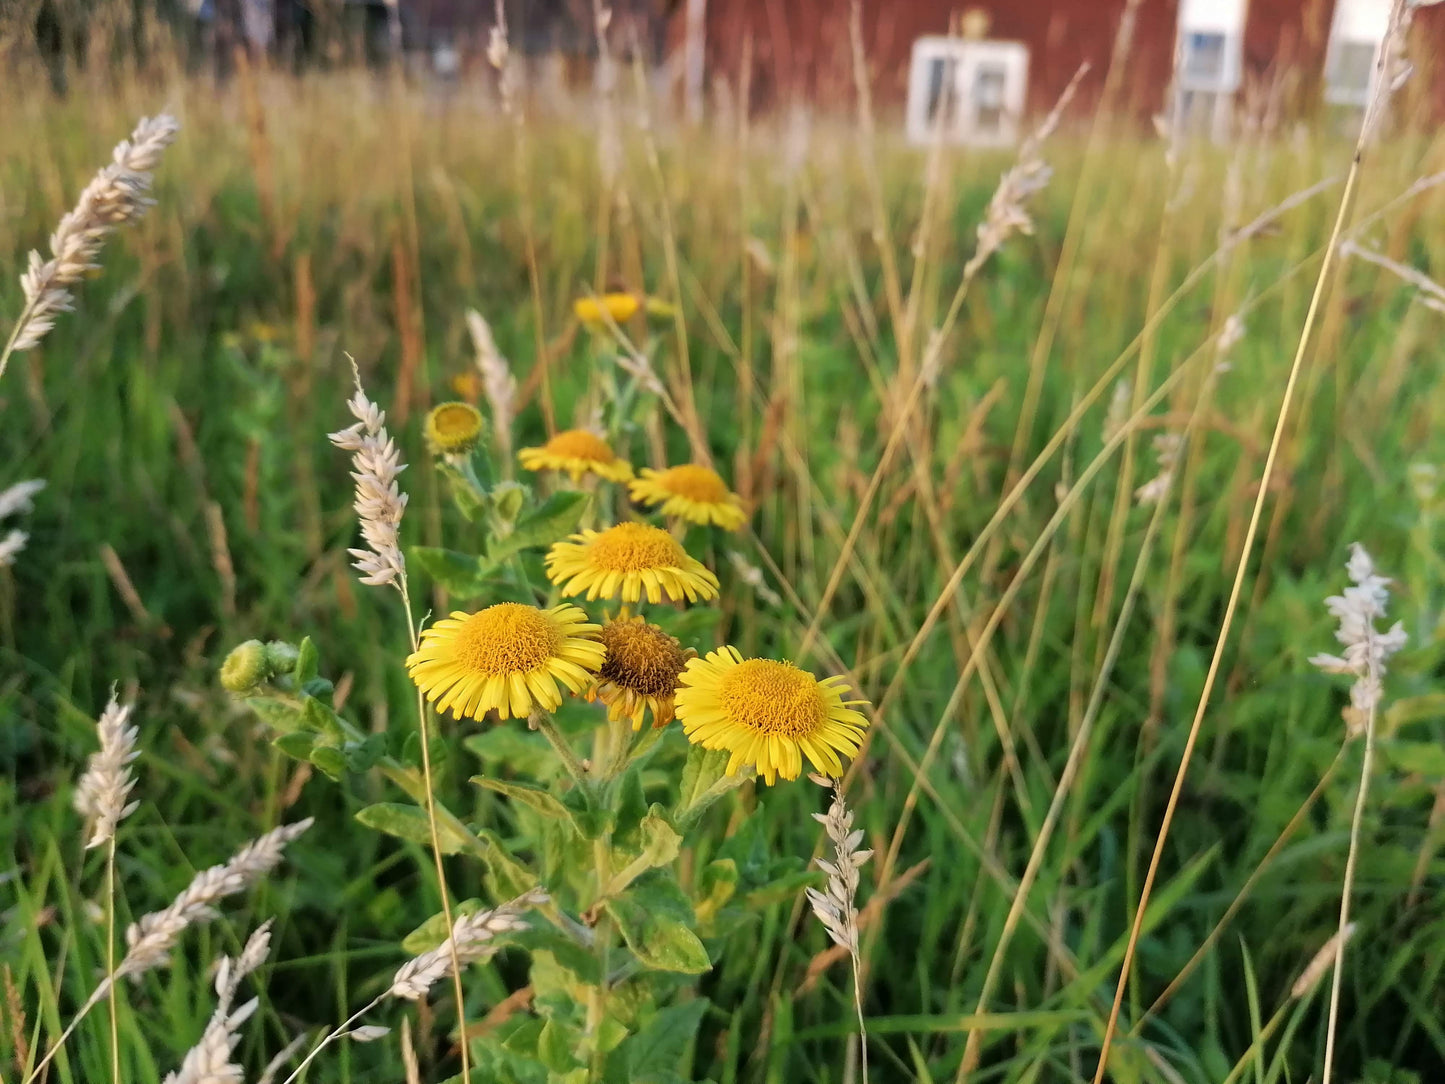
(640, 672)
(768, 714)
(577, 452)
(509, 657)
(624, 561)
(593, 311)
(690, 492)
(453, 428)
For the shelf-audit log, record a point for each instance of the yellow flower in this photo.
(768, 714)
(577, 452)
(453, 428)
(625, 559)
(509, 657)
(690, 492)
(640, 672)
(619, 306)
(467, 384)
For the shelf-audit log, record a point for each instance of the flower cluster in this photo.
(1367, 649)
(515, 659)
(15, 501)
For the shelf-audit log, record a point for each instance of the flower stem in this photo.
(541, 720)
(602, 934)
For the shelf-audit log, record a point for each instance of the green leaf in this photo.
(469, 502)
(656, 1052)
(715, 886)
(330, 761)
(460, 574)
(321, 718)
(555, 1046)
(543, 801)
(296, 744)
(1425, 758)
(783, 888)
(282, 715)
(580, 962)
(306, 663)
(703, 768)
(660, 840)
(363, 755)
(508, 877)
(518, 750)
(434, 930)
(656, 921)
(409, 823)
(556, 518)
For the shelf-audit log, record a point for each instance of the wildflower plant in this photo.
(574, 665)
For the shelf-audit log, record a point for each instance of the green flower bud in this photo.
(245, 667)
(280, 658)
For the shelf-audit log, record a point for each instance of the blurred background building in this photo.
(966, 71)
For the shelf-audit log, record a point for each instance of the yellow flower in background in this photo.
(640, 672)
(768, 714)
(595, 311)
(453, 428)
(467, 384)
(621, 306)
(509, 657)
(626, 560)
(690, 492)
(577, 452)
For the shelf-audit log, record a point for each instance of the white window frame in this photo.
(960, 121)
(1355, 22)
(1204, 102)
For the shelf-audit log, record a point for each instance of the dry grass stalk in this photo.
(115, 196)
(379, 502)
(101, 795)
(470, 940)
(836, 906)
(209, 1061)
(287, 1052)
(1432, 294)
(1315, 970)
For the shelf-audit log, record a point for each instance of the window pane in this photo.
(988, 95)
(940, 83)
(1204, 56)
(1354, 63)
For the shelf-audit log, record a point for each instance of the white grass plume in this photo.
(19, 498)
(152, 936)
(115, 196)
(836, 906)
(379, 502)
(209, 1061)
(1367, 649)
(101, 794)
(498, 382)
(470, 941)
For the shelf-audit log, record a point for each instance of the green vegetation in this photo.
(180, 418)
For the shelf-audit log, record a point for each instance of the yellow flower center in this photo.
(504, 639)
(695, 483)
(456, 421)
(641, 657)
(773, 698)
(632, 547)
(580, 444)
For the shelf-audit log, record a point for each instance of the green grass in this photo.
(205, 365)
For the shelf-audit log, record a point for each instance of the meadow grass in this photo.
(180, 415)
